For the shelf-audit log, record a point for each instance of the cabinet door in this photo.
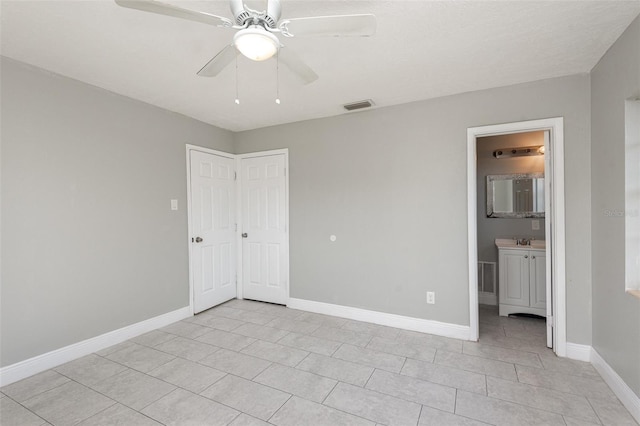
(537, 278)
(514, 277)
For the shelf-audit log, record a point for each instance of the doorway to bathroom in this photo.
(515, 191)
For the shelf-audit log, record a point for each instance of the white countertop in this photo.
(511, 244)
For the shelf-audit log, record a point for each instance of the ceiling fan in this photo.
(256, 32)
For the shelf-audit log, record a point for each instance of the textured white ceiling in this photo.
(422, 49)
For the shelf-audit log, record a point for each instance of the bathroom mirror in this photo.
(515, 195)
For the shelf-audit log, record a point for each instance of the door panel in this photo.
(265, 249)
(538, 287)
(213, 220)
(514, 278)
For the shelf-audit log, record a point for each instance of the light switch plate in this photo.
(174, 204)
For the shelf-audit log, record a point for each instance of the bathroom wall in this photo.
(491, 228)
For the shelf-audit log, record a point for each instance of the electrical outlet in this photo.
(431, 297)
(535, 225)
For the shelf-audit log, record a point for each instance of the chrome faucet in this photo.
(523, 241)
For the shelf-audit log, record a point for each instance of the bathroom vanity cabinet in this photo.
(522, 279)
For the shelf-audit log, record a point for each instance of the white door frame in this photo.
(190, 148)
(555, 223)
(239, 158)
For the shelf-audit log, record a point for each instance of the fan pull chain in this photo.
(237, 97)
(278, 77)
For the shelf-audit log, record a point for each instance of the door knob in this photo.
(245, 235)
(526, 257)
(198, 240)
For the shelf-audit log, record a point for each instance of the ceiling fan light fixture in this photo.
(256, 43)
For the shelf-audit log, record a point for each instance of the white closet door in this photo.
(213, 239)
(264, 229)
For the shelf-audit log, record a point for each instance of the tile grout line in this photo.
(405, 361)
(301, 361)
(307, 350)
(236, 409)
(161, 365)
(105, 409)
(501, 347)
(236, 417)
(594, 410)
(370, 376)
(369, 341)
(534, 408)
(493, 359)
(39, 393)
(544, 388)
(568, 393)
(332, 389)
(28, 409)
(456, 414)
(496, 345)
(339, 347)
(237, 352)
(380, 394)
(286, 366)
(455, 402)
(176, 387)
(276, 411)
(252, 381)
(476, 372)
(342, 411)
(98, 392)
(486, 385)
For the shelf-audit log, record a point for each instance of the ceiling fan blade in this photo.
(177, 12)
(296, 65)
(330, 26)
(219, 62)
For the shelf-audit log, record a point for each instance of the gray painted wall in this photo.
(616, 315)
(391, 185)
(490, 228)
(89, 243)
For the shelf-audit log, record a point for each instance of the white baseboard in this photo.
(579, 352)
(624, 393)
(485, 298)
(20, 370)
(408, 323)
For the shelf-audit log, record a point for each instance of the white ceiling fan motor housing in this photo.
(243, 15)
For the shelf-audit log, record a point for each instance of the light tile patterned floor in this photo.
(248, 363)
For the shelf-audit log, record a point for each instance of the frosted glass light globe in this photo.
(256, 43)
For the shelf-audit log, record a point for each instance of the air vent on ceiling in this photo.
(367, 103)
